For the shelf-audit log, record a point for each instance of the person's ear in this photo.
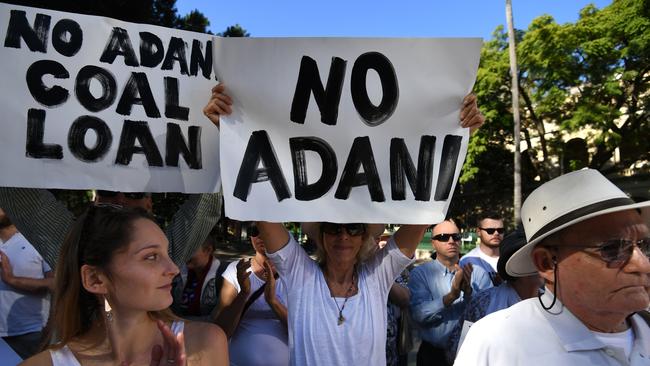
(545, 261)
(93, 280)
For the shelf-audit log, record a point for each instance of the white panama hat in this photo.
(562, 202)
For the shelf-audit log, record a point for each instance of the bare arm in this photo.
(24, 283)
(399, 295)
(408, 238)
(231, 303)
(274, 234)
(271, 298)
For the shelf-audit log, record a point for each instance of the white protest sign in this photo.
(92, 102)
(343, 130)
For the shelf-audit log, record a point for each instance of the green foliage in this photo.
(234, 31)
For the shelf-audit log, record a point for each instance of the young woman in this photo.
(112, 295)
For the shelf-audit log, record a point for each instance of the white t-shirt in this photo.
(477, 252)
(260, 338)
(22, 312)
(315, 338)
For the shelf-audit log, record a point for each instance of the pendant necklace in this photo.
(341, 318)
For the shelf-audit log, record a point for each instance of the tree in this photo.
(588, 79)
(234, 31)
(194, 21)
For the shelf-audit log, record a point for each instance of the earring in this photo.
(108, 311)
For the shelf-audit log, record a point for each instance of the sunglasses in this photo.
(616, 252)
(445, 237)
(253, 231)
(131, 195)
(337, 229)
(491, 231)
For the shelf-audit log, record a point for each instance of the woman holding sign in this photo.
(112, 295)
(337, 304)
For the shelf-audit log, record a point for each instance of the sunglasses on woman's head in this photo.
(445, 237)
(131, 195)
(336, 229)
(615, 252)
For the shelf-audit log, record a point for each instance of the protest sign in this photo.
(343, 130)
(92, 102)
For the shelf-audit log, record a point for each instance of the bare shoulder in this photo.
(205, 344)
(39, 359)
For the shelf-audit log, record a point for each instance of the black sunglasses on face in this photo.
(445, 237)
(131, 195)
(336, 229)
(491, 231)
(616, 252)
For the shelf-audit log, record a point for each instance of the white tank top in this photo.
(64, 357)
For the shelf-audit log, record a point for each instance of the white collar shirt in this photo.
(526, 334)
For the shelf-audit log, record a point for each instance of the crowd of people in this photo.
(571, 286)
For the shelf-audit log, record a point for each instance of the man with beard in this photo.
(25, 279)
(439, 291)
(486, 255)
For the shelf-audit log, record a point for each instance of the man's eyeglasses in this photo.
(616, 252)
(491, 231)
(445, 237)
(336, 229)
(131, 195)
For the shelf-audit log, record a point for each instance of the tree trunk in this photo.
(515, 111)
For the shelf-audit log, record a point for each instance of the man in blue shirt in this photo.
(439, 291)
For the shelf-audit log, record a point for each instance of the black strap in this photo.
(645, 315)
(254, 297)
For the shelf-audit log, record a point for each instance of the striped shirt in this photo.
(45, 221)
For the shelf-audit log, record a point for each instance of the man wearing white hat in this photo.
(589, 243)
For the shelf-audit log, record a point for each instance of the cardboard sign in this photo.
(343, 130)
(92, 102)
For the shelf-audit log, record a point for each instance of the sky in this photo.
(378, 18)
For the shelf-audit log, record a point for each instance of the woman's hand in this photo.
(470, 115)
(269, 289)
(219, 104)
(243, 275)
(172, 353)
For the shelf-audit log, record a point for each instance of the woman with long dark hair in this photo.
(112, 295)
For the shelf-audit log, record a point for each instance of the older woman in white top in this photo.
(337, 305)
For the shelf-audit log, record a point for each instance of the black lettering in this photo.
(137, 130)
(448, 160)
(327, 99)
(176, 145)
(77, 136)
(67, 37)
(119, 45)
(374, 115)
(360, 155)
(259, 148)
(303, 190)
(197, 59)
(151, 50)
(401, 165)
(35, 147)
(82, 88)
(176, 52)
(35, 37)
(49, 97)
(137, 91)
(172, 109)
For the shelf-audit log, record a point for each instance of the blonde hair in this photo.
(368, 248)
